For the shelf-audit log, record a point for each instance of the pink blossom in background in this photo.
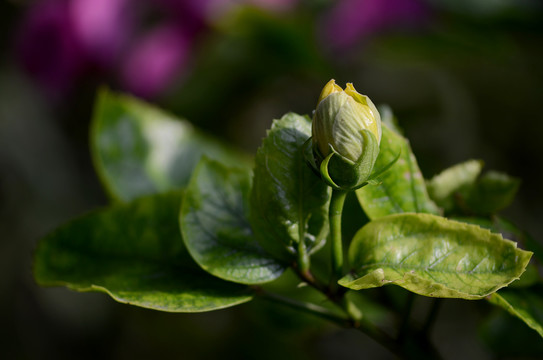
(274, 5)
(62, 41)
(154, 61)
(48, 48)
(102, 27)
(353, 20)
(206, 11)
(192, 15)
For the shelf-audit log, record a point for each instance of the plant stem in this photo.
(336, 209)
(305, 307)
(381, 337)
(303, 257)
(432, 315)
(363, 326)
(404, 326)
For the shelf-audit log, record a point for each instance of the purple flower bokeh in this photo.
(353, 20)
(102, 27)
(63, 41)
(48, 47)
(192, 15)
(155, 61)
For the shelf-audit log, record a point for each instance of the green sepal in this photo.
(349, 175)
(324, 169)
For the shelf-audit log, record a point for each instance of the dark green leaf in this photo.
(402, 188)
(289, 202)
(525, 304)
(139, 149)
(133, 252)
(215, 226)
(433, 256)
(443, 187)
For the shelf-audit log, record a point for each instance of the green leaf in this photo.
(289, 202)
(494, 191)
(458, 189)
(138, 149)
(524, 304)
(443, 187)
(432, 256)
(215, 226)
(401, 188)
(134, 253)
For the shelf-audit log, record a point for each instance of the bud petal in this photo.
(328, 89)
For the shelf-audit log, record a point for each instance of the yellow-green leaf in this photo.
(433, 256)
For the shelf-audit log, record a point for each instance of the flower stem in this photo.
(336, 209)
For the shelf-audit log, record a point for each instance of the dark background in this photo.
(465, 79)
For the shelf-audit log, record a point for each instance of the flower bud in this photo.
(346, 135)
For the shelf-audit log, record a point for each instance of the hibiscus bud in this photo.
(346, 135)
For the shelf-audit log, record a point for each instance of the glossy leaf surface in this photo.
(524, 304)
(139, 149)
(443, 187)
(289, 202)
(134, 253)
(433, 256)
(216, 229)
(401, 188)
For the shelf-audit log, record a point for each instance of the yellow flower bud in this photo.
(339, 118)
(341, 124)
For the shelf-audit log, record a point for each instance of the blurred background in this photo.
(464, 78)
